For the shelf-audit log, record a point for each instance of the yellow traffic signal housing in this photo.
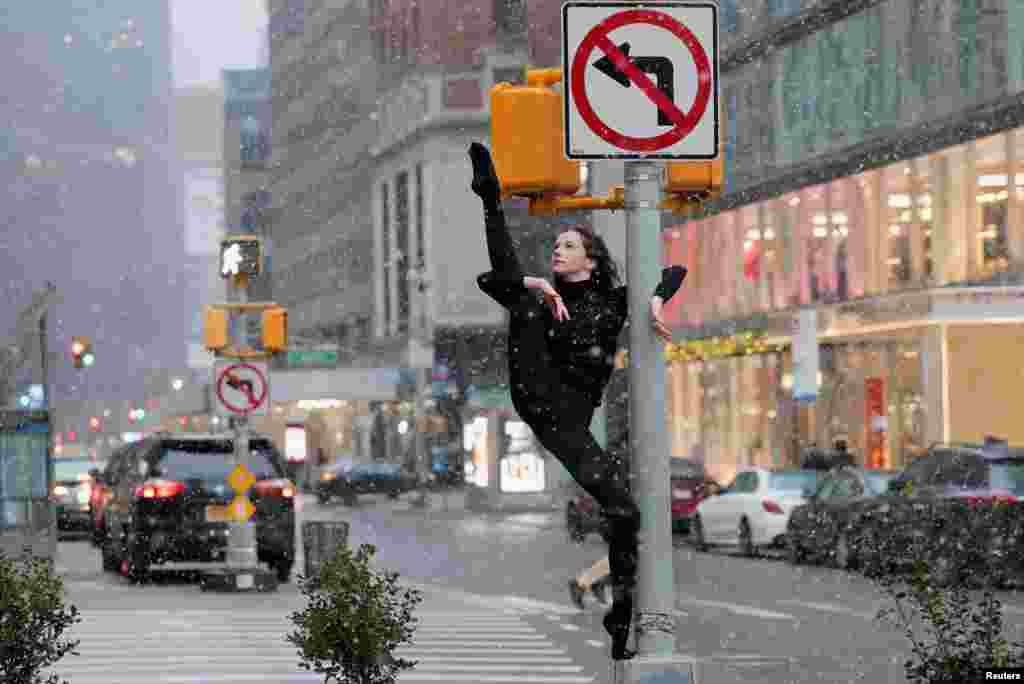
(699, 177)
(215, 329)
(527, 140)
(275, 330)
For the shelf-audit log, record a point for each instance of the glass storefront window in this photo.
(751, 282)
(815, 225)
(786, 215)
(991, 246)
(906, 216)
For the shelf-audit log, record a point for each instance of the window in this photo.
(210, 462)
(381, 31)
(827, 489)
(290, 20)
(798, 481)
(421, 238)
(782, 8)
(510, 17)
(70, 469)
(385, 232)
(254, 212)
(746, 483)
(254, 142)
(402, 230)
(728, 17)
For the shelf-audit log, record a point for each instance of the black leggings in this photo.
(560, 415)
(560, 418)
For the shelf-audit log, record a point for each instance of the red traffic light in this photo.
(72, 435)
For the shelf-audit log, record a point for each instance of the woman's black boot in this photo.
(617, 622)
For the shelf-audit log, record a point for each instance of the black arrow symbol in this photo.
(245, 386)
(661, 67)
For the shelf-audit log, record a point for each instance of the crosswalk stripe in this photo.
(213, 647)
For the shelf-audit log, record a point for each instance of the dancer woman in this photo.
(561, 349)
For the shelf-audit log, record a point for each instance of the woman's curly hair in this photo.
(606, 272)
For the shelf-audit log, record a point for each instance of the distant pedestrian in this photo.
(561, 347)
(592, 580)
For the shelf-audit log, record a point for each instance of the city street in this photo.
(495, 610)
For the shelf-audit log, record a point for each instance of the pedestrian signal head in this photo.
(528, 141)
(241, 255)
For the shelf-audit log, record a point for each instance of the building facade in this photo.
(199, 127)
(92, 194)
(246, 153)
(874, 177)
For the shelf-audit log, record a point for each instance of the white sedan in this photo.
(753, 510)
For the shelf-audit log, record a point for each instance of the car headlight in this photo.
(60, 490)
(326, 477)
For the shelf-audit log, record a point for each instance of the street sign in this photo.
(613, 108)
(241, 388)
(312, 359)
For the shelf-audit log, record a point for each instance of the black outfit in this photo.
(558, 372)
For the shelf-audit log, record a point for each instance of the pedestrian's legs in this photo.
(595, 572)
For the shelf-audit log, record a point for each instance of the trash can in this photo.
(320, 539)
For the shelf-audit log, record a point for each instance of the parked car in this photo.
(169, 503)
(690, 485)
(753, 511)
(365, 478)
(919, 504)
(72, 489)
(819, 530)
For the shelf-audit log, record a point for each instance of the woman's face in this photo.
(569, 259)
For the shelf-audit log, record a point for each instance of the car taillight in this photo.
(992, 499)
(280, 488)
(680, 494)
(159, 489)
(771, 507)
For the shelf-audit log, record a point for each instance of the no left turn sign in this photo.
(242, 388)
(641, 80)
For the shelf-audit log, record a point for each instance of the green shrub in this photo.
(32, 619)
(353, 620)
(932, 567)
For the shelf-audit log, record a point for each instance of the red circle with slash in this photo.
(254, 401)
(597, 37)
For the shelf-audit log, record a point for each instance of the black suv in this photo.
(922, 501)
(169, 495)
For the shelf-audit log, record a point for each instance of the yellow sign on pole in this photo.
(241, 478)
(242, 509)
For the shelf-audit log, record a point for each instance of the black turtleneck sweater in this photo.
(582, 347)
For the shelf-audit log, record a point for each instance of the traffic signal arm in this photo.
(548, 205)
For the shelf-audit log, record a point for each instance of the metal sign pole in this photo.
(655, 600)
(241, 551)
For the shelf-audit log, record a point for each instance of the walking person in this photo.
(593, 580)
(561, 346)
